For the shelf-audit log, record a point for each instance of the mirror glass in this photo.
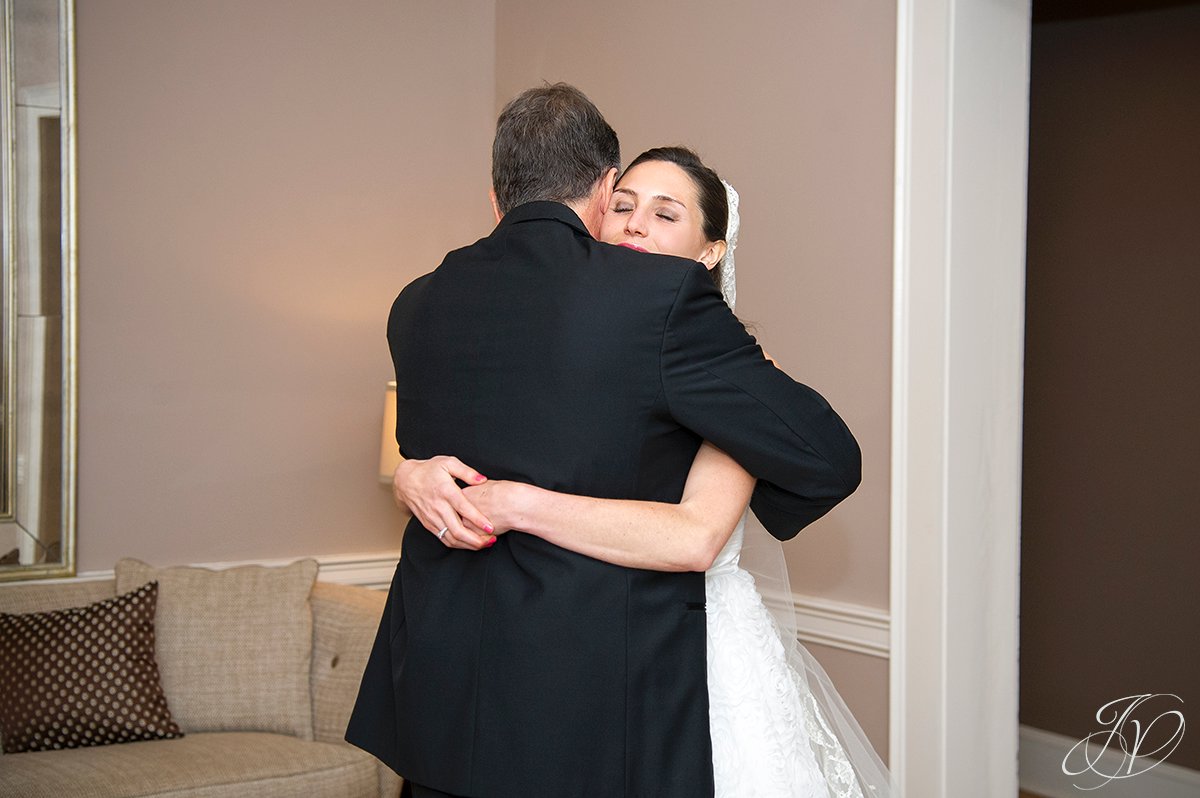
(37, 350)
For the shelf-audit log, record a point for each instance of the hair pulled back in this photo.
(714, 202)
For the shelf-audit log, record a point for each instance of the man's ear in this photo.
(495, 205)
(712, 254)
(607, 184)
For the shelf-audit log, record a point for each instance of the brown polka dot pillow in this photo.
(82, 676)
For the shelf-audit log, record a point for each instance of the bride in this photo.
(778, 726)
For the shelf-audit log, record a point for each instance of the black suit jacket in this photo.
(541, 355)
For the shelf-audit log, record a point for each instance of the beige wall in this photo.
(1109, 553)
(793, 103)
(257, 182)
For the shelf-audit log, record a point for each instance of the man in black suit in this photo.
(540, 355)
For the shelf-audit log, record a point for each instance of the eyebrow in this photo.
(664, 197)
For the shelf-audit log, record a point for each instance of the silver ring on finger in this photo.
(442, 532)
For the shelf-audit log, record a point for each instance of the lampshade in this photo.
(389, 452)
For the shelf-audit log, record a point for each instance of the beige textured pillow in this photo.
(234, 645)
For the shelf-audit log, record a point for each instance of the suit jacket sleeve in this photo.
(718, 383)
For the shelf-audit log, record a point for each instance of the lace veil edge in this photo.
(843, 743)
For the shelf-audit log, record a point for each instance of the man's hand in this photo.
(427, 488)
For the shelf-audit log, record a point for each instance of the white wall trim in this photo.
(1042, 755)
(957, 336)
(837, 624)
(367, 570)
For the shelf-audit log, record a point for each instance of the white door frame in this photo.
(962, 77)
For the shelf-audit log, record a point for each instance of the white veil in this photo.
(851, 767)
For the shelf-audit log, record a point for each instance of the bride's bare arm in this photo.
(658, 536)
(683, 537)
(638, 534)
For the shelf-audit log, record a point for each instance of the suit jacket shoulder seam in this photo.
(662, 346)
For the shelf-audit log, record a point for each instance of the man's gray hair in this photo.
(551, 144)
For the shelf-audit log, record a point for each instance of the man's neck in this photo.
(589, 214)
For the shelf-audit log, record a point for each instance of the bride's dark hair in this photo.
(714, 202)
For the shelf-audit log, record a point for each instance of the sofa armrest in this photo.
(345, 619)
(390, 784)
(26, 597)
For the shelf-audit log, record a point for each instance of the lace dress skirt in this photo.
(767, 733)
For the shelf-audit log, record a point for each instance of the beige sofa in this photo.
(223, 763)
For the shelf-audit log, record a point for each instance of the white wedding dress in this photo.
(771, 736)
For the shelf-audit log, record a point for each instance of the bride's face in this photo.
(655, 208)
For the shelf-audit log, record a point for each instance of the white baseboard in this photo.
(366, 570)
(838, 624)
(373, 571)
(1041, 757)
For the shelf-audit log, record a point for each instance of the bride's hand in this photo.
(497, 499)
(427, 488)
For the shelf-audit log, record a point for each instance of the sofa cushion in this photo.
(345, 621)
(82, 677)
(234, 645)
(212, 765)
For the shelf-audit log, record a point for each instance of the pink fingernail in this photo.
(489, 528)
(480, 477)
(490, 543)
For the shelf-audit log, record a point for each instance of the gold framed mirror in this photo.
(38, 324)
